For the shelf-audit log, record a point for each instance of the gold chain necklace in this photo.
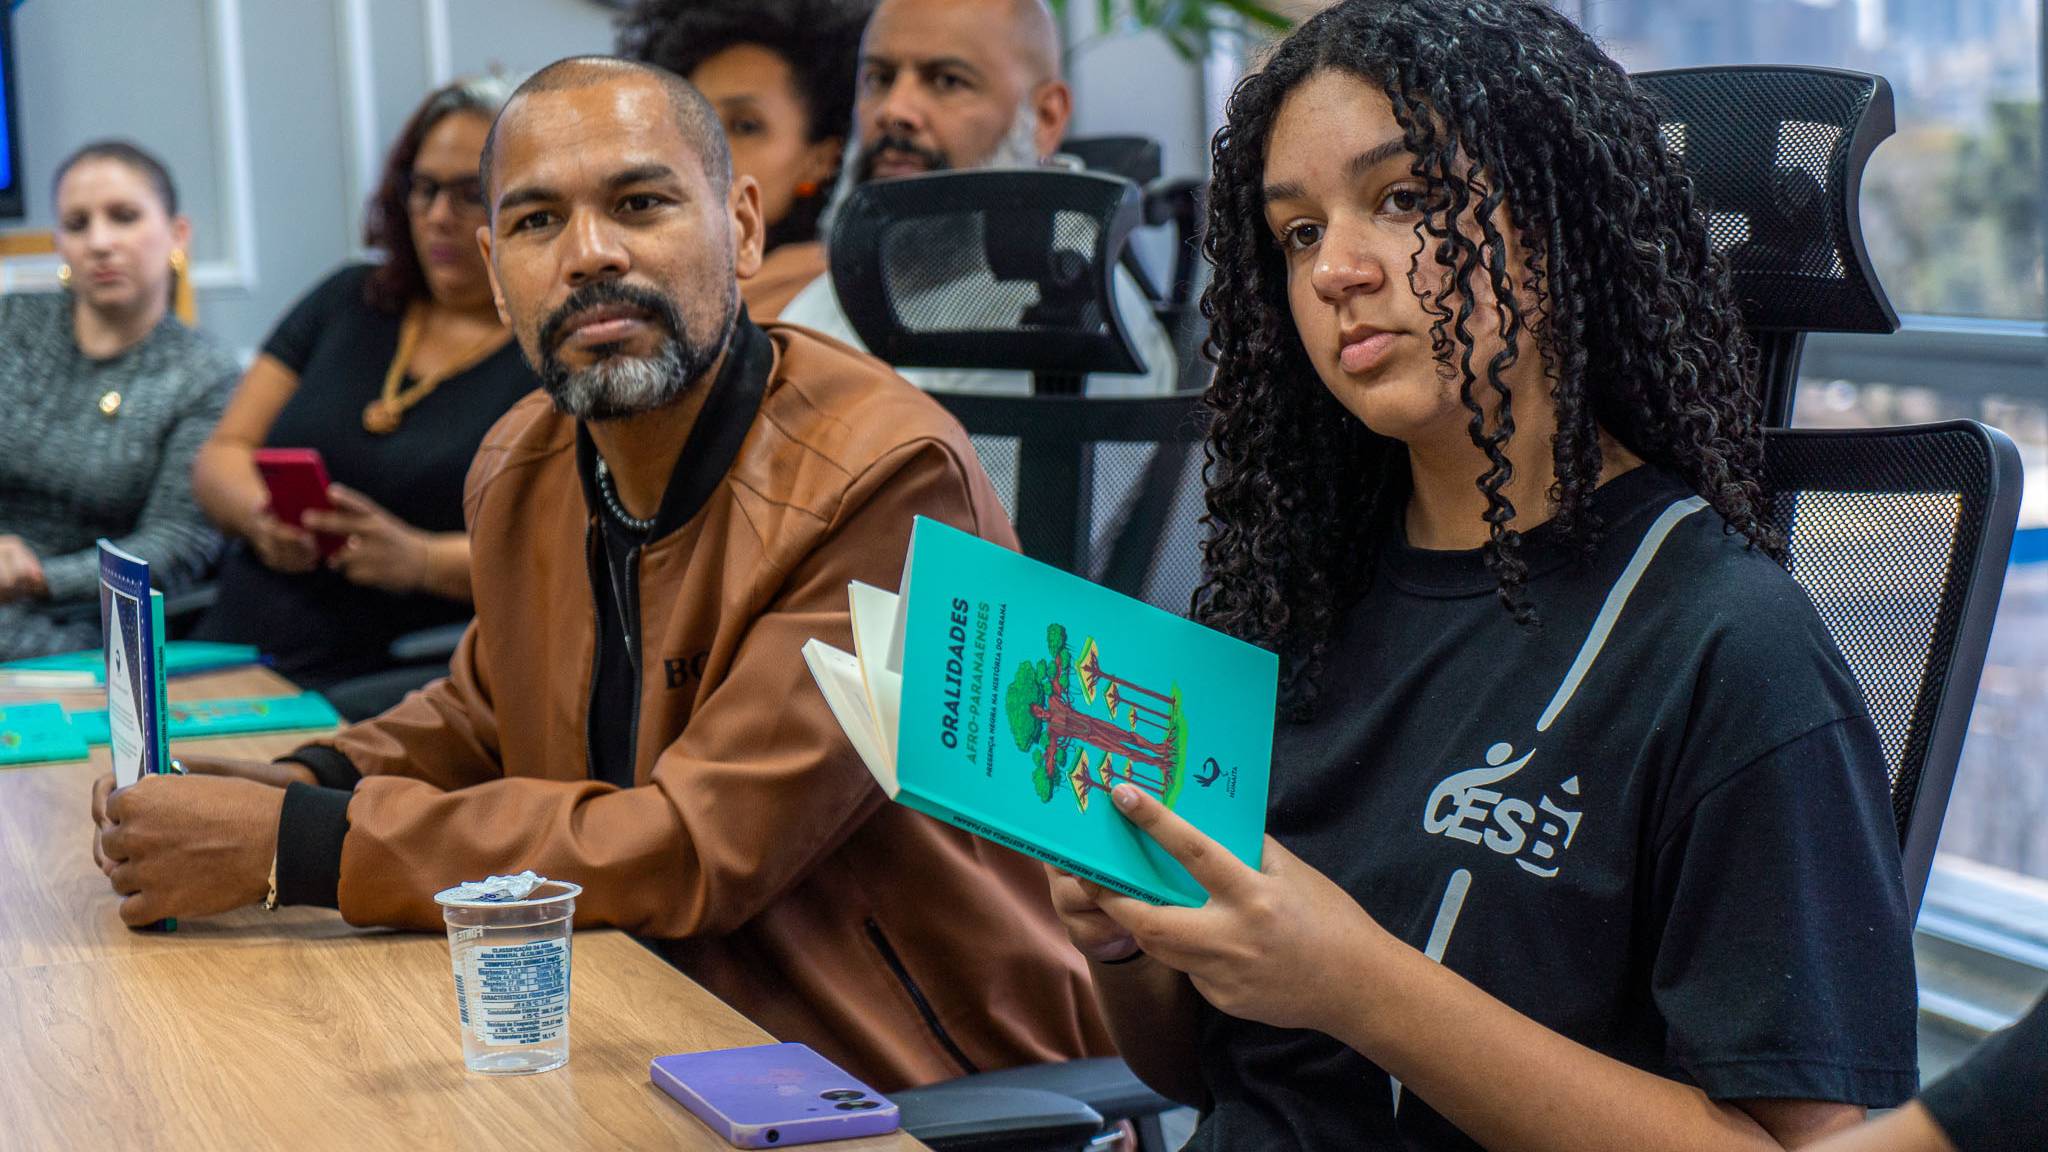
(381, 416)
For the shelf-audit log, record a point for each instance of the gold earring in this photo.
(182, 303)
(64, 277)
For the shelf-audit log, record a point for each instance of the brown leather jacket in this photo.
(755, 846)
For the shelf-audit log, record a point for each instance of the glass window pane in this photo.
(1951, 213)
(1951, 204)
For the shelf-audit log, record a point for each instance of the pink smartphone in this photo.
(773, 1094)
(297, 479)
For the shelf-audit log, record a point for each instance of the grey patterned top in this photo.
(69, 474)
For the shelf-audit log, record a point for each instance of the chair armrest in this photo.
(428, 644)
(1103, 1083)
(959, 1114)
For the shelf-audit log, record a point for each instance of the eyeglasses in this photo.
(465, 194)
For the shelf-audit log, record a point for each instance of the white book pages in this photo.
(874, 620)
(839, 678)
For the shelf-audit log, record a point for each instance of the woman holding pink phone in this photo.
(392, 373)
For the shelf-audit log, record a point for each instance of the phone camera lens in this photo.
(843, 1094)
(856, 1105)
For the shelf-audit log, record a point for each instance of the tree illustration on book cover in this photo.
(1052, 704)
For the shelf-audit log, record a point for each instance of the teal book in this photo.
(1006, 697)
(241, 716)
(88, 668)
(38, 733)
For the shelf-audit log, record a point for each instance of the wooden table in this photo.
(291, 1029)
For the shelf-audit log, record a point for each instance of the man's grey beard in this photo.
(1017, 149)
(621, 386)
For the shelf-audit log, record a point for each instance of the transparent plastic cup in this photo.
(511, 960)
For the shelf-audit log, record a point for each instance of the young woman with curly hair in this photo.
(1580, 834)
(781, 74)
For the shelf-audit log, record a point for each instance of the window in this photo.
(1952, 215)
(1951, 206)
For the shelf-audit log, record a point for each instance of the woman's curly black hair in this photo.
(1501, 102)
(820, 39)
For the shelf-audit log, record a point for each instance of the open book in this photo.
(1006, 697)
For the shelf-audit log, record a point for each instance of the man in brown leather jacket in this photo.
(654, 536)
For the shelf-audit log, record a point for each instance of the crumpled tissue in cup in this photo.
(496, 888)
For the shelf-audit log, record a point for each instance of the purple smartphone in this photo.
(773, 1094)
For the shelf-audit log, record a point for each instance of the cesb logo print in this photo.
(1467, 806)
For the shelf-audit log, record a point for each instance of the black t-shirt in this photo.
(320, 628)
(1997, 1100)
(1657, 823)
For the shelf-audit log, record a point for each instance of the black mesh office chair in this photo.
(1013, 270)
(1176, 203)
(1899, 535)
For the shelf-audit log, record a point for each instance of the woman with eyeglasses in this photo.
(393, 371)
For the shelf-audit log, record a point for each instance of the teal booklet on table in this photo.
(88, 668)
(1007, 698)
(210, 719)
(39, 733)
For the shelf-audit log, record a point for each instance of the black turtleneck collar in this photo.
(715, 439)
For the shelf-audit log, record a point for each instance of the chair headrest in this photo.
(1777, 155)
(1138, 159)
(1002, 269)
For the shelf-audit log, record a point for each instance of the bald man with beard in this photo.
(657, 532)
(968, 84)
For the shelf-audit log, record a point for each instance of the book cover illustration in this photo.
(1052, 707)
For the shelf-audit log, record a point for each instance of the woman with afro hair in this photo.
(781, 74)
(1579, 828)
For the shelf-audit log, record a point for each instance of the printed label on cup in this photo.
(521, 992)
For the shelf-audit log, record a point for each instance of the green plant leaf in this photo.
(1185, 24)
(1256, 13)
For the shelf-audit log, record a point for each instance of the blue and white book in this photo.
(132, 637)
(1006, 697)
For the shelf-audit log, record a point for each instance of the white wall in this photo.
(1135, 84)
(274, 115)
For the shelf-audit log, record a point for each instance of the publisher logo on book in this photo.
(1212, 772)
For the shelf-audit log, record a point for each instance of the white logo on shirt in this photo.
(1466, 806)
